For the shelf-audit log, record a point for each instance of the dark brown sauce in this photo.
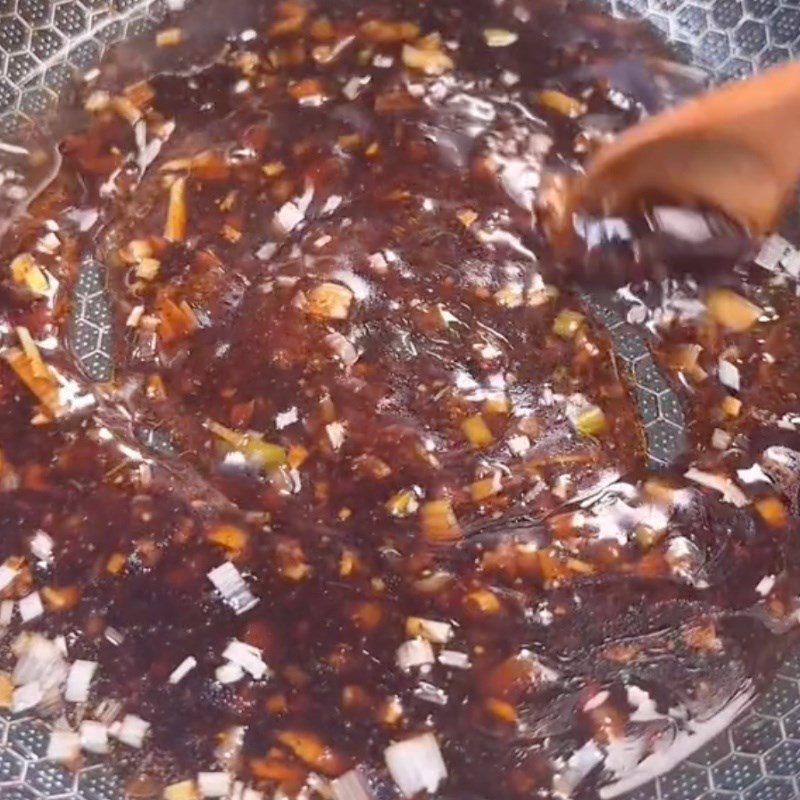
(430, 424)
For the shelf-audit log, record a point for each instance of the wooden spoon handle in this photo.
(736, 148)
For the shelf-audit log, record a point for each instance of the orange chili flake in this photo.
(231, 537)
(116, 563)
(61, 598)
(505, 712)
(773, 512)
(439, 523)
(306, 88)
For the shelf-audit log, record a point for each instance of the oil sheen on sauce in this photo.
(350, 495)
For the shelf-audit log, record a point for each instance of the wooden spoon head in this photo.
(736, 148)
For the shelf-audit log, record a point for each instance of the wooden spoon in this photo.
(734, 148)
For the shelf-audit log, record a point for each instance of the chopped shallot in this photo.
(416, 764)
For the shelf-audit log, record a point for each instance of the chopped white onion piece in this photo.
(27, 696)
(579, 765)
(113, 636)
(499, 37)
(596, 700)
(229, 673)
(41, 545)
(6, 613)
(64, 746)
(336, 434)
(7, 574)
(720, 439)
(352, 785)
(377, 262)
(765, 585)
(78, 681)
(94, 736)
(286, 418)
(730, 492)
(288, 217)
(137, 312)
(213, 784)
(454, 659)
(353, 87)
(430, 693)
(132, 730)
(30, 607)
(341, 347)
(430, 629)
(183, 669)
(791, 263)
(247, 657)
(519, 445)
(753, 474)
(772, 252)
(230, 584)
(414, 653)
(416, 764)
(729, 375)
(49, 243)
(38, 659)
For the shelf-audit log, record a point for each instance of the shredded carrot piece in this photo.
(175, 228)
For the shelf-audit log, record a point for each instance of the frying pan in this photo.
(43, 43)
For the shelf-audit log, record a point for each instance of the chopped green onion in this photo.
(591, 421)
(567, 323)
